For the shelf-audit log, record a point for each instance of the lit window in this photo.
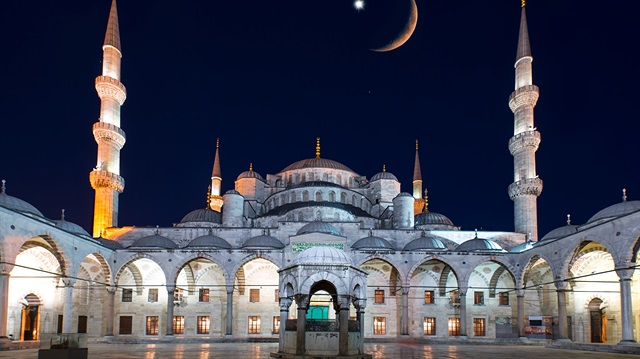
(126, 324)
(203, 324)
(203, 295)
(152, 325)
(379, 296)
(127, 295)
(504, 298)
(379, 325)
(276, 294)
(478, 327)
(478, 298)
(153, 295)
(178, 294)
(276, 325)
(254, 325)
(178, 324)
(429, 326)
(254, 295)
(454, 327)
(429, 297)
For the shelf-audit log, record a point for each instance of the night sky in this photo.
(268, 77)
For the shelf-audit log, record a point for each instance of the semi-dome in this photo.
(372, 243)
(202, 215)
(616, 210)
(155, 240)
(318, 227)
(432, 218)
(426, 243)
(323, 255)
(209, 240)
(16, 204)
(263, 241)
(383, 175)
(560, 232)
(522, 247)
(70, 226)
(317, 162)
(479, 245)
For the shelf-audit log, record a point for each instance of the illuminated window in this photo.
(254, 295)
(379, 325)
(429, 297)
(82, 324)
(127, 295)
(178, 294)
(379, 296)
(203, 295)
(454, 327)
(478, 327)
(203, 324)
(454, 297)
(126, 324)
(152, 325)
(276, 325)
(504, 298)
(153, 295)
(429, 326)
(178, 324)
(254, 325)
(276, 294)
(478, 298)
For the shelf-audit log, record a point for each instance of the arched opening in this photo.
(322, 306)
(598, 321)
(30, 319)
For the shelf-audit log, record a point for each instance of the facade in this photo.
(249, 263)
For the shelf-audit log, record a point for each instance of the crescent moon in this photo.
(406, 32)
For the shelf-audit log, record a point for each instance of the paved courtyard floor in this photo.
(378, 350)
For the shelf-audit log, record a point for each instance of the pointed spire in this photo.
(524, 48)
(112, 37)
(4, 188)
(317, 147)
(216, 162)
(417, 173)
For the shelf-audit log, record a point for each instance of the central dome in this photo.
(317, 162)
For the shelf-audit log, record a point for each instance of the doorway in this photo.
(30, 327)
(598, 321)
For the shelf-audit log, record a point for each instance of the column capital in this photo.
(171, 289)
(520, 292)
(229, 289)
(360, 304)
(68, 282)
(111, 289)
(302, 301)
(625, 273)
(561, 285)
(285, 303)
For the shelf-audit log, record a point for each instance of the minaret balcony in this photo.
(524, 96)
(106, 179)
(525, 187)
(524, 140)
(108, 87)
(107, 132)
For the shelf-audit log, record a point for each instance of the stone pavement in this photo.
(378, 350)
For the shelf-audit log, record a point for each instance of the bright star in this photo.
(359, 4)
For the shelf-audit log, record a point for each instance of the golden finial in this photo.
(426, 201)
(624, 195)
(524, 3)
(4, 187)
(317, 147)
(416, 145)
(62, 215)
(208, 197)
(217, 142)
(250, 166)
(384, 168)
(568, 219)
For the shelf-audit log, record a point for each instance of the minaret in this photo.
(526, 187)
(418, 205)
(105, 177)
(215, 199)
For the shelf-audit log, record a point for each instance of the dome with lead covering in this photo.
(209, 240)
(155, 240)
(16, 204)
(616, 210)
(263, 241)
(372, 243)
(202, 215)
(383, 175)
(318, 227)
(479, 245)
(522, 247)
(426, 243)
(432, 218)
(323, 255)
(560, 232)
(70, 226)
(317, 162)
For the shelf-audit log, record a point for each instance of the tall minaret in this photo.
(215, 199)
(418, 205)
(526, 188)
(105, 178)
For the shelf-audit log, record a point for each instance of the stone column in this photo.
(561, 290)
(404, 320)
(67, 311)
(360, 305)
(229, 326)
(285, 303)
(343, 339)
(463, 312)
(4, 303)
(626, 301)
(170, 292)
(302, 302)
(520, 296)
(111, 293)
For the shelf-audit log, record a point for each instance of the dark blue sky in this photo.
(268, 77)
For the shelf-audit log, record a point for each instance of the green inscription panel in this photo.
(301, 246)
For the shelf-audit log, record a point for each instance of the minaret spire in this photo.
(418, 205)
(526, 187)
(215, 199)
(105, 178)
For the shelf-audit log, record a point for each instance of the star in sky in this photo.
(359, 4)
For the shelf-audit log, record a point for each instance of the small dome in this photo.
(317, 162)
(202, 215)
(561, 232)
(522, 247)
(372, 243)
(155, 241)
(111, 244)
(479, 245)
(426, 243)
(250, 174)
(616, 210)
(427, 218)
(71, 227)
(17, 204)
(383, 175)
(209, 240)
(318, 227)
(233, 191)
(404, 194)
(323, 255)
(263, 241)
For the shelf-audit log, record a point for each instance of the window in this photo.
(178, 294)
(379, 296)
(254, 295)
(429, 326)
(454, 297)
(478, 327)
(379, 325)
(429, 297)
(126, 324)
(178, 324)
(478, 298)
(82, 324)
(254, 325)
(203, 324)
(454, 327)
(504, 298)
(152, 325)
(59, 329)
(127, 295)
(276, 325)
(153, 295)
(277, 295)
(203, 295)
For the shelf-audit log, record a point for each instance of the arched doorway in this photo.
(30, 327)
(598, 321)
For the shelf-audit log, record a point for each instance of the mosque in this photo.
(317, 248)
